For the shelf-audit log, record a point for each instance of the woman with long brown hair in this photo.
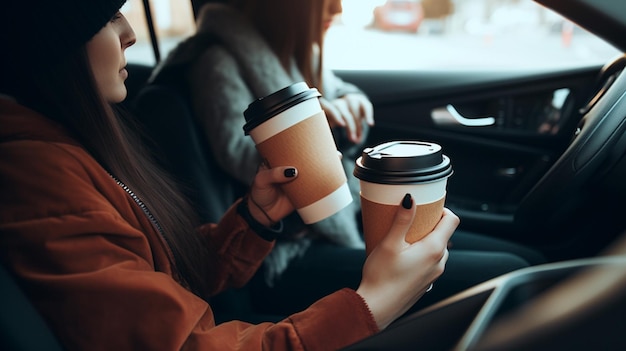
(247, 49)
(99, 238)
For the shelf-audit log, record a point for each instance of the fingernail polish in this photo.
(407, 202)
(290, 172)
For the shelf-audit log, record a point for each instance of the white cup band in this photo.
(392, 194)
(285, 119)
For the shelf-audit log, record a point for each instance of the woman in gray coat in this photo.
(254, 55)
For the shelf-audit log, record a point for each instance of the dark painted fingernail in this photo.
(407, 202)
(290, 172)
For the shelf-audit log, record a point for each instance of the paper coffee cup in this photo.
(290, 128)
(388, 172)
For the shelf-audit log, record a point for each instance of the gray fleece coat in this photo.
(229, 66)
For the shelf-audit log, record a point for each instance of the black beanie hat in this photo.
(41, 32)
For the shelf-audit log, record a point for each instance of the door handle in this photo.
(448, 115)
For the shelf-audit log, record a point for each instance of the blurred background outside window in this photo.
(416, 34)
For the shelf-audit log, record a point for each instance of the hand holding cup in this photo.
(267, 202)
(396, 273)
(290, 128)
(389, 171)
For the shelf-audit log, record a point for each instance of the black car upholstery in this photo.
(21, 326)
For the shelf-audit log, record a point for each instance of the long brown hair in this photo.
(67, 93)
(291, 28)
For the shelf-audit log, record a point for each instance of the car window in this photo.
(416, 34)
(173, 21)
(464, 34)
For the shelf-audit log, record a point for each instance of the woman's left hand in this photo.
(349, 111)
(266, 198)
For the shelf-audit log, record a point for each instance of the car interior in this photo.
(548, 175)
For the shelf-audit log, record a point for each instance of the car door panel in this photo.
(534, 115)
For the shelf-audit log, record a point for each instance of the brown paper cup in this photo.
(378, 218)
(301, 137)
(380, 202)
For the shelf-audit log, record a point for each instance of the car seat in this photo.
(22, 328)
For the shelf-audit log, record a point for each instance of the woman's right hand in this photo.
(396, 274)
(267, 202)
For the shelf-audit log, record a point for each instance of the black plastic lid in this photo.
(403, 162)
(267, 107)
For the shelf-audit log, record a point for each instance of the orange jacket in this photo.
(100, 274)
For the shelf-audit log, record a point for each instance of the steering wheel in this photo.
(597, 146)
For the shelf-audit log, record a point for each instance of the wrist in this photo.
(258, 213)
(267, 233)
(378, 305)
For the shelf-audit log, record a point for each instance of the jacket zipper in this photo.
(142, 205)
(153, 220)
